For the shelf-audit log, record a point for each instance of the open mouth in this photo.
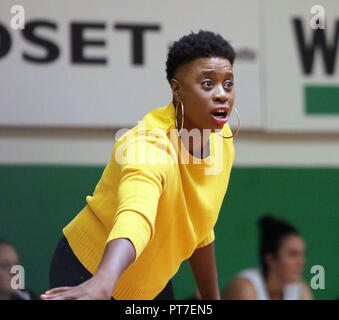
(220, 114)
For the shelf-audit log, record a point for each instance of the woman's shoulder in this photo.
(146, 145)
(155, 123)
(239, 289)
(162, 118)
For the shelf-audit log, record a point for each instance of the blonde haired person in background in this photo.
(282, 262)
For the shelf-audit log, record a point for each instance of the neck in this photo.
(194, 139)
(275, 286)
(196, 142)
(199, 145)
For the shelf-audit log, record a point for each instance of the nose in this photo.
(220, 94)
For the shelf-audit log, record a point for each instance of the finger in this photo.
(58, 297)
(64, 295)
(58, 289)
(49, 297)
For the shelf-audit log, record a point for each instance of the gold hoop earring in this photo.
(233, 135)
(182, 116)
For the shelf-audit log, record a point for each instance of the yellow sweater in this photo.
(155, 193)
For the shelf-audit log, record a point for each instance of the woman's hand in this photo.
(118, 255)
(92, 289)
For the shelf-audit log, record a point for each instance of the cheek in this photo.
(196, 95)
(290, 263)
(285, 263)
(5, 279)
(195, 103)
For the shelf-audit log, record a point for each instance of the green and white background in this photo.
(58, 124)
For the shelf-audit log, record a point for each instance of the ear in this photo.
(176, 88)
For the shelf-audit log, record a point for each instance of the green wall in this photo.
(37, 201)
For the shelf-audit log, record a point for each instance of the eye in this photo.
(228, 84)
(207, 84)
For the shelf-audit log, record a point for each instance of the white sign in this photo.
(318, 280)
(301, 65)
(82, 63)
(18, 279)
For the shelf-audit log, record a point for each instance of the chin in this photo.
(217, 128)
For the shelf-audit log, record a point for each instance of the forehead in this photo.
(215, 64)
(7, 253)
(293, 242)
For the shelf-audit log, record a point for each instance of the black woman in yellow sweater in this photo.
(159, 196)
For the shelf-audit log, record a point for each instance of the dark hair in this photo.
(272, 232)
(203, 44)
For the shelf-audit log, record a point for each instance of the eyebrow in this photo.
(208, 72)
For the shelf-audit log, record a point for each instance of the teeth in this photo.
(219, 110)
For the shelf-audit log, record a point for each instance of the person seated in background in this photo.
(8, 259)
(282, 262)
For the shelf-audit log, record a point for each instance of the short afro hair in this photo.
(203, 44)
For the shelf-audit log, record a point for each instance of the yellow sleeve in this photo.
(209, 239)
(141, 185)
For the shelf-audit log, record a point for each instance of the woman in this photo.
(282, 262)
(150, 213)
(9, 258)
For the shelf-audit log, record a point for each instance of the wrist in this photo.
(105, 282)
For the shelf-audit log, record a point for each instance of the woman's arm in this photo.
(118, 255)
(204, 269)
